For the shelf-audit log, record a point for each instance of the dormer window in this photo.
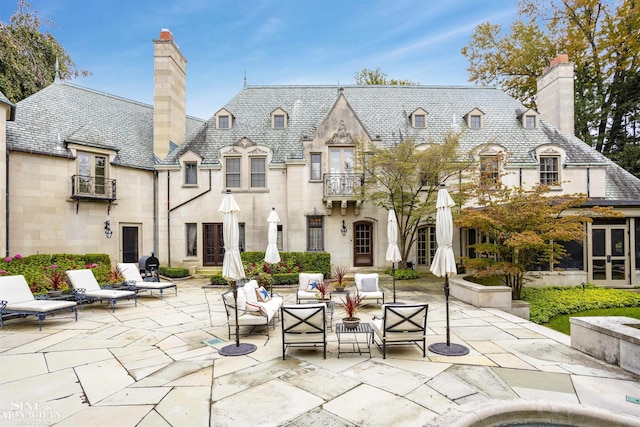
(224, 119)
(279, 119)
(529, 119)
(419, 119)
(475, 119)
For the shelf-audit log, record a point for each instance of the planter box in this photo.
(614, 339)
(488, 296)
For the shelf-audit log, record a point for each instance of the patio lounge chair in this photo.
(401, 324)
(368, 287)
(251, 311)
(303, 325)
(16, 298)
(87, 287)
(305, 285)
(131, 273)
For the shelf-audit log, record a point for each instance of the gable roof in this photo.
(384, 112)
(86, 117)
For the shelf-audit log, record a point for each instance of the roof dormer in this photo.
(279, 119)
(529, 119)
(475, 119)
(419, 119)
(224, 119)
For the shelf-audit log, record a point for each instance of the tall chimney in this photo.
(169, 94)
(555, 94)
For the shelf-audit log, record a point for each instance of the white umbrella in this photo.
(232, 268)
(393, 252)
(272, 256)
(444, 264)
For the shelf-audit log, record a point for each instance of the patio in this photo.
(158, 365)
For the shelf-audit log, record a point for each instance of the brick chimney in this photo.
(555, 94)
(169, 94)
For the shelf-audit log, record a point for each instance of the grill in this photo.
(149, 268)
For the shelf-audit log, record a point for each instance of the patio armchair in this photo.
(304, 325)
(368, 287)
(253, 310)
(401, 324)
(135, 282)
(16, 298)
(87, 287)
(306, 290)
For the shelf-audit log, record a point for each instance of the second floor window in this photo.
(232, 172)
(316, 167)
(190, 173)
(489, 171)
(92, 171)
(549, 170)
(258, 175)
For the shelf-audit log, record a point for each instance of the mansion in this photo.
(88, 172)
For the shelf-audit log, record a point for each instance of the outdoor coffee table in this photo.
(344, 334)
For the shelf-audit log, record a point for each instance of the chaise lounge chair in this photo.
(16, 298)
(401, 324)
(87, 287)
(131, 273)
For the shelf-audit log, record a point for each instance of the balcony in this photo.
(96, 188)
(343, 188)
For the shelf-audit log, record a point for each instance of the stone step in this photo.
(205, 272)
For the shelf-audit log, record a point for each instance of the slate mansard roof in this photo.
(385, 111)
(85, 117)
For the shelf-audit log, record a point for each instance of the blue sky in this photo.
(283, 42)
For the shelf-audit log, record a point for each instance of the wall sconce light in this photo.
(107, 229)
(343, 230)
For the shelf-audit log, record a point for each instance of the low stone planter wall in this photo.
(487, 296)
(614, 339)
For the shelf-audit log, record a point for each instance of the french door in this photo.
(609, 259)
(362, 244)
(212, 244)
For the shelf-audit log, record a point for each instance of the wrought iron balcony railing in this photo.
(343, 184)
(93, 187)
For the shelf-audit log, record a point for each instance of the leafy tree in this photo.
(601, 37)
(522, 227)
(377, 77)
(406, 177)
(28, 57)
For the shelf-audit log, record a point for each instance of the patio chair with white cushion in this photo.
(304, 325)
(401, 324)
(306, 288)
(132, 276)
(87, 287)
(16, 298)
(253, 309)
(368, 287)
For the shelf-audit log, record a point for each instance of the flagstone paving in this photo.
(158, 364)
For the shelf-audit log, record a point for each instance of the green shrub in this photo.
(545, 303)
(403, 273)
(306, 261)
(174, 272)
(217, 279)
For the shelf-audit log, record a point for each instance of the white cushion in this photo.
(359, 276)
(249, 290)
(305, 278)
(15, 289)
(83, 279)
(130, 271)
(369, 284)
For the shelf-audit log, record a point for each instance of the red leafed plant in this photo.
(324, 288)
(351, 304)
(55, 277)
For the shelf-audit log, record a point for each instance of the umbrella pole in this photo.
(393, 274)
(446, 297)
(237, 349)
(235, 298)
(448, 349)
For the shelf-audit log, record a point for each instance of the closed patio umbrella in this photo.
(272, 256)
(444, 264)
(393, 252)
(232, 268)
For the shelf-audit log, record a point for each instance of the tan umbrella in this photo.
(444, 264)
(393, 252)
(232, 268)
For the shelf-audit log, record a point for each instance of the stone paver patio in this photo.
(157, 364)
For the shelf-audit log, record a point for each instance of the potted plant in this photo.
(339, 274)
(55, 277)
(115, 277)
(324, 290)
(351, 304)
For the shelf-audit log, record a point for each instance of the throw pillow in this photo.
(369, 284)
(262, 294)
(256, 309)
(312, 286)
